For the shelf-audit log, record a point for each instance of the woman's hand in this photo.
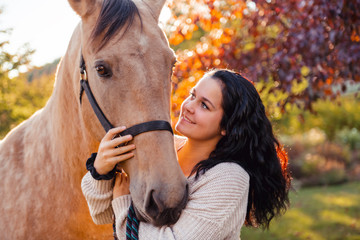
(122, 183)
(108, 155)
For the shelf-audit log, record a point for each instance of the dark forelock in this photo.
(113, 17)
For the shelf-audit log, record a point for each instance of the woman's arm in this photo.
(99, 193)
(216, 208)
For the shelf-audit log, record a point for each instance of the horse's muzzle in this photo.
(159, 214)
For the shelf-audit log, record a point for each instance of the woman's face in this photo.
(201, 112)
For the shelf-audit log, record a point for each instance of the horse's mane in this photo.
(113, 16)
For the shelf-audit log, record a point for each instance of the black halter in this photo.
(134, 130)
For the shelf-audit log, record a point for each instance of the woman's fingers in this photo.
(109, 154)
(121, 186)
(120, 158)
(124, 149)
(126, 177)
(120, 140)
(115, 152)
(121, 177)
(112, 132)
(118, 178)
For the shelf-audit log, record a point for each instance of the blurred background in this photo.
(303, 57)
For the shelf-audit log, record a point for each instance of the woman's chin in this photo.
(181, 128)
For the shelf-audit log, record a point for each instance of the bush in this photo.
(350, 137)
(336, 117)
(313, 160)
(329, 116)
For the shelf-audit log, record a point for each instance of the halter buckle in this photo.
(83, 74)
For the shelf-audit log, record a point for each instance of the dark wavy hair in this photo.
(250, 142)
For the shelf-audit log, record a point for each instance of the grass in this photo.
(317, 213)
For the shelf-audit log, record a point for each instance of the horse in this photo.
(128, 65)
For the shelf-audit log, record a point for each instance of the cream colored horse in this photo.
(42, 161)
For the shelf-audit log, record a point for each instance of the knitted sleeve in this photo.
(98, 194)
(216, 208)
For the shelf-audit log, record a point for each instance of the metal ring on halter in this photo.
(83, 74)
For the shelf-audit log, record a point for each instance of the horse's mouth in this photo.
(142, 216)
(168, 216)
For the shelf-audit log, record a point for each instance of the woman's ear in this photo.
(223, 132)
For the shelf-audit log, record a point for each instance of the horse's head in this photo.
(129, 65)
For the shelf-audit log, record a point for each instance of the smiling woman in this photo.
(202, 111)
(229, 155)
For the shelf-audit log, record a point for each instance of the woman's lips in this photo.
(187, 119)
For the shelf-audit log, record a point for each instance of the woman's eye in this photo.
(103, 71)
(203, 105)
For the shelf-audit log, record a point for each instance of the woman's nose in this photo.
(189, 106)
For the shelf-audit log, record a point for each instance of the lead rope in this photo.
(132, 225)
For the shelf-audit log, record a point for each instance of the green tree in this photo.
(10, 65)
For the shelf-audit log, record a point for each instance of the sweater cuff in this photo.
(101, 186)
(121, 205)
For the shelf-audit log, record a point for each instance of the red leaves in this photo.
(355, 36)
(271, 40)
(283, 157)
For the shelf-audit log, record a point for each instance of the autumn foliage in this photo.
(315, 43)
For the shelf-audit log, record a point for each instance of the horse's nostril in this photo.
(152, 207)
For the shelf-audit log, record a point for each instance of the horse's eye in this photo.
(102, 71)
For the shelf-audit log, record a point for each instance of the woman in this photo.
(229, 154)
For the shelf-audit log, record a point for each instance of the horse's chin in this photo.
(141, 216)
(168, 217)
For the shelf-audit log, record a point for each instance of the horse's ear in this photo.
(83, 7)
(156, 6)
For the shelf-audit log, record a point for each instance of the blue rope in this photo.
(132, 225)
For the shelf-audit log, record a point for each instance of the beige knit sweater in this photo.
(216, 208)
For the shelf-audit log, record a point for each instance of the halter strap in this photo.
(97, 110)
(157, 125)
(137, 129)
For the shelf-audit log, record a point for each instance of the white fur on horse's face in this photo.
(43, 160)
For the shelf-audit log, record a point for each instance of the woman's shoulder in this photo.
(224, 174)
(228, 170)
(224, 179)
